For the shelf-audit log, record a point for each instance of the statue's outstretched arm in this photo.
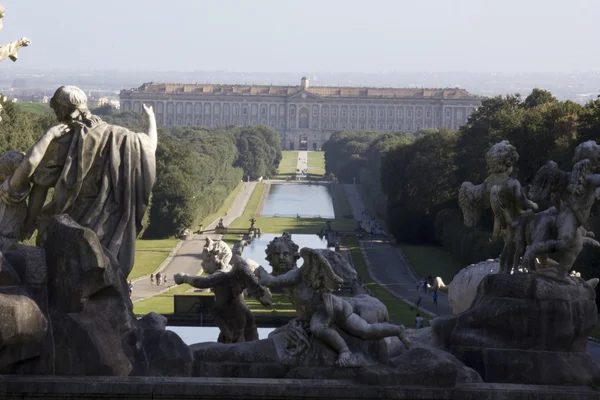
(10, 50)
(152, 131)
(20, 179)
(290, 278)
(200, 282)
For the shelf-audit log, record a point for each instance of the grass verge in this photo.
(149, 254)
(341, 206)
(316, 164)
(287, 166)
(252, 205)
(432, 260)
(223, 209)
(400, 312)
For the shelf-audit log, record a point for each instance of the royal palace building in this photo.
(305, 116)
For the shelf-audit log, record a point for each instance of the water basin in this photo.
(199, 334)
(256, 250)
(291, 200)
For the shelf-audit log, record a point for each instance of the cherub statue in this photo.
(15, 171)
(510, 206)
(563, 229)
(474, 199)
(252, 222)
(220, 253)
(311, 291)
(506, 197)
(232, 315)
(10, 50)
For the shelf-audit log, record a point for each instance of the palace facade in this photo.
(305, 116)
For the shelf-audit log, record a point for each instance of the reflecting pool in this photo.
(256, 250)
(290, 200)
(200, 334)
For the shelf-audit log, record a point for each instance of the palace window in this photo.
(400, 112)
(362, 126)
(353, 112)
(409, 113)
(245, 111)
(437, 113)
(353, 126)
(343, 125)
(448, 114)
(362, 112)
(428, 114)
(381, 126)
(381, 112)
(418, 113)
(372, 112)
(390, 127)
(334, 112)
(315, 125)
(281, 123)
(390, 112)
(263, 110)
(372, 126)
(325, 111)
(344, 112)
(315, 111)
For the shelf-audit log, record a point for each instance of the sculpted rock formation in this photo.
(537, 323)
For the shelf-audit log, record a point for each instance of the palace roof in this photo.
(322, 91)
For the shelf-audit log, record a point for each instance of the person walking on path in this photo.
(419, 320)
(151, 279)
(435, 297)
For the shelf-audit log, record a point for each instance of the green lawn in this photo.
(400, 312)
(341, 206)
(35, 108)
(316, 164)
(163, 303)
(596, 332)
(432, 260)
(252, 206)
(287, 166)
(149, 254)
(223, 209)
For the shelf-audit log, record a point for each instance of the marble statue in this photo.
(15, 172)
(10, 50)
(562, 230)
(232, 315)
(216, 256)
(102, 176)
(506, 198)
(311, 291)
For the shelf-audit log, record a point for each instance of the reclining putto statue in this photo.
(318, 310)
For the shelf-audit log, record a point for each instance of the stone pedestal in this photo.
(525, 328)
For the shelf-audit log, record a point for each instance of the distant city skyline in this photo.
(333, 36)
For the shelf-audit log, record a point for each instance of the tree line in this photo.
(418, 176)
(196, 168)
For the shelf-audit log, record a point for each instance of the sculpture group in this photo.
(552, 238)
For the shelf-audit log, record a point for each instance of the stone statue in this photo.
(216, 255)
(562, 231)
(220, 224)
(232, 315)
(10, 50)
(252, 222)
(15, 172)
(310, 289)
(102, 176)
(506, 197)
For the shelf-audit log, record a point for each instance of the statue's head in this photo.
(588, 151)
(69, 103)
(209, 244)
(282, 254)
(9, 162)
(2, 10)
(501, 158)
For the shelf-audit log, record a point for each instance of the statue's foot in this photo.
(346, 360)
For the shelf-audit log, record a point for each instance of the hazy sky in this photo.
(307, 35)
